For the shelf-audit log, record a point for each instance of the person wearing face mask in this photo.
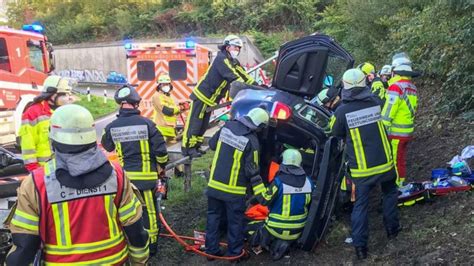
(34, 141)
(235, 168)
(166, 109)
(214, 85)
(380, 84)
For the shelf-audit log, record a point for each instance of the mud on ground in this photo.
(438, 231)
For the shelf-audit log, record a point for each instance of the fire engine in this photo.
(25, 61)
(185, 62)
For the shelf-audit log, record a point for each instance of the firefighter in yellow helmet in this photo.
(398, 113)
(369, 71)
(166, 109)
(79, 208)
(34, 141)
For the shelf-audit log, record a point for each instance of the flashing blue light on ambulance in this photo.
(190, 44)
(33, 27)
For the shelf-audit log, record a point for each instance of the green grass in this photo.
(176, 194)
(96, 106)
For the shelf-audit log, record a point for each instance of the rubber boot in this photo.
(361, 252)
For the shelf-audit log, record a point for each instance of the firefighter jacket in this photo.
(288, 198)
(235, 166)
(139, 145)
(358, 121)
(379, 88)
(216, 82)
(165, 113)
(398, 113)
(34, 138)
(79, 209)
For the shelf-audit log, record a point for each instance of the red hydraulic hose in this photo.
(192, 248)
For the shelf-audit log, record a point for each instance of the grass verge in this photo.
(96, 106)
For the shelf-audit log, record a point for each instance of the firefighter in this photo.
(166, 109)
(141, 149)
(329, 98)
(380, 84)
(34, 141)
(215, 84)
(398, 113)
(369, 72)
(359, 123)
(79, 208)
(288, 198)
(234, 167)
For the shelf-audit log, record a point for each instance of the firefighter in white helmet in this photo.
(35, 146)
(215, 84)
(79, 208)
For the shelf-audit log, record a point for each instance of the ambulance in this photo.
(185, 62)
(25, 60)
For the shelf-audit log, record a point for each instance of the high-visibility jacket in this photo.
(398, 113)
(288, 198)
(379, 88)
(235, 166)
(79, 226)
(216, 81)
(165, 113)
(368, 151)
(139, 145)
(34, 138)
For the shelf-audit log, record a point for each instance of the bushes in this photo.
(436, 34)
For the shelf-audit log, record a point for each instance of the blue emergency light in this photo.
(190, 44)
(33, 27)
(128, 46)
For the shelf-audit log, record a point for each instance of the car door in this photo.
(324, 196)
(302, 64)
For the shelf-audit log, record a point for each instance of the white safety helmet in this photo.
(292, 157)
(353, 78)
(386, 70)
(233, 40)
(72, 124)
(401, 62)
(57, 84)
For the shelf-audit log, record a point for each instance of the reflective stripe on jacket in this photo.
(79, 226)
(235, 162)
(139, 146)
(398, 113)
(288, 205)
(165, 123)
(215, 83)
(34, 135)
(358, 121)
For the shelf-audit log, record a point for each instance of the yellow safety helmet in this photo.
(164, 78)
(73, 125)
(57, 84)
(367, 68)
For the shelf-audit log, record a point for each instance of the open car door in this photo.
(324, 196)
(304, 64)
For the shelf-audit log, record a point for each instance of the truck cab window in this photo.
(178, 70)
(146, 70)
(36, 55)
(4, 60)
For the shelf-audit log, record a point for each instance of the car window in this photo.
(312, 115)
(4, 60)
(36, 55)
(336, 67)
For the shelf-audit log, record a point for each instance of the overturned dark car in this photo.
(304, 67)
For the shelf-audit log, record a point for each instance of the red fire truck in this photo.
(25, 61)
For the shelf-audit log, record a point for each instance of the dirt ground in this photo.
(438, 231)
